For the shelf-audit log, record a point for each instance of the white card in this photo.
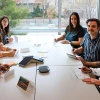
(57, 44)
(43, 50)
(42, 55)
(11, 72)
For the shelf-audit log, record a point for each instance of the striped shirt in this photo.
(91, 48)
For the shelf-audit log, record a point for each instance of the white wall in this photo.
(98, 9)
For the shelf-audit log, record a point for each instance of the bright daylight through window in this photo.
(37, 15)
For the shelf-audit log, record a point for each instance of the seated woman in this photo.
(6, 51)
(73, 33)
(4, 25)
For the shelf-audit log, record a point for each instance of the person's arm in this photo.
(62, 37)
(4, 48)
(76, 42)
(90, 64)
(8, 53)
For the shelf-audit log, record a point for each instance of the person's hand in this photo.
(82, 60)
(55, 40)
(75, 51)
(1, 65)
(65, 42)
(1, 72)
(86, 70)
(1, 46)
(91, 81)
(11, 53)
(10, 40)
(8, 49)
(14, 49)
(4, 67)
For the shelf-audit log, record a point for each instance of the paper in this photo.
(79, 74)
(42, 55)
(43, 50)
(16, 52)
(57, 44)
(11, 72)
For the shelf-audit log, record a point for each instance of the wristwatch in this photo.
(70, 43)
(90, 71)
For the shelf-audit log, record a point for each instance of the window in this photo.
(46, 15)
(85, 8)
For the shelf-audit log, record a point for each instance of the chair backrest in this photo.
(85, 29)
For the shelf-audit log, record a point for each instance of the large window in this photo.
(45, 15)
(85, 8)
(42, 15)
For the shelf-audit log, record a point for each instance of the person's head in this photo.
(4, 23)
(99, 25)
(74, 20)
(93, 26)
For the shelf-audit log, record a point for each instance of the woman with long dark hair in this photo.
(74, 32)
(4, 25)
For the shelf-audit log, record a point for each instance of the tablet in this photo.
(25, 61)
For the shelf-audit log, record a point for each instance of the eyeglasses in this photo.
(5, 21)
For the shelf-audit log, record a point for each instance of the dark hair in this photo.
(94, 19)
(0, 35)
(6, 28)
(70, 26)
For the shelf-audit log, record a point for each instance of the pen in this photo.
(79, 68)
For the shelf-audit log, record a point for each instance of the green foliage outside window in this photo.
(14, 12)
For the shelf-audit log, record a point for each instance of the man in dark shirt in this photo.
(90, 45)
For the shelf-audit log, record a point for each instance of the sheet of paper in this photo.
(79, 73)
(42, 55)
(11, 72)
(57, 44)
(43, 50)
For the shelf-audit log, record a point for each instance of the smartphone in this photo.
(25, 61)
(38, 59)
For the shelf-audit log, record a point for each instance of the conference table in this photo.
(60, 83)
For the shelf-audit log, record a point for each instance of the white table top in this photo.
(8, 86)
(60, 84)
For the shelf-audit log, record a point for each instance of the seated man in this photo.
(90, 46)
(6, 51)
(95, 71)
